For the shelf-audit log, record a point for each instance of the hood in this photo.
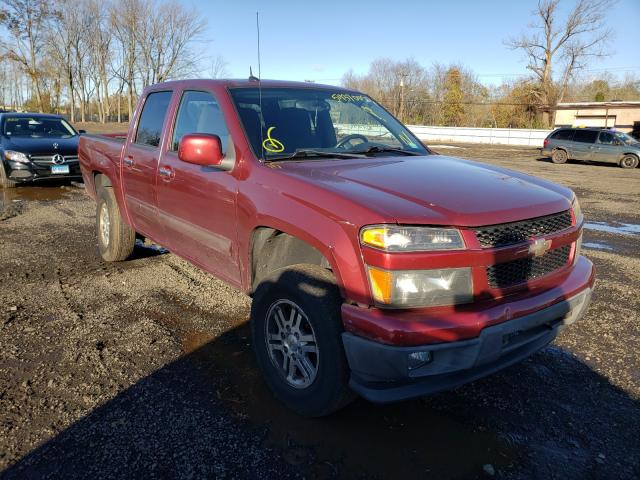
(435, 189)
(41, 146)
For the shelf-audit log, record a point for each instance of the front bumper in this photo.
(28, 172)
(381, 373)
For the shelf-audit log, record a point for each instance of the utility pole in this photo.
(401, 111)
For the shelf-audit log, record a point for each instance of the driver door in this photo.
(605, 149)
(198, 204)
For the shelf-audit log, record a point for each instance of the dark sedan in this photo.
(35, 146)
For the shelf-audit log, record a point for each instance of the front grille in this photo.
(518, 232)
(48, 159)
(519, 271)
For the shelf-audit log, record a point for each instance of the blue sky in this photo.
(321, 40)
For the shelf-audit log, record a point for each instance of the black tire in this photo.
(4, 181)
(559, 156)
(313, 290)
(629, 161)
(116, 239)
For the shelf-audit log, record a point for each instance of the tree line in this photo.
(452, 95)
(74, 55)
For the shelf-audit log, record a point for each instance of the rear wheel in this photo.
(559, 156)
(629, 161)
(296, 327)
(116, 239)
(4, 180)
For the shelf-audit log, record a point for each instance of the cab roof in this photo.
(244, 83)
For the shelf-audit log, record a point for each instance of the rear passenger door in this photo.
(198, 204)
(140, 163)
(584, 144)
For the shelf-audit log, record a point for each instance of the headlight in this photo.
(420, 288)
(16, 156)
(577, 211)
(395, 238)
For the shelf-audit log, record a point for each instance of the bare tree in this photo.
(163, 36)
(125, 16)
(62, 36)
(567, 44)
(219, 67)
(100, 52)
(27, 22)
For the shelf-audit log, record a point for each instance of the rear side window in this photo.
(566, 134)
(585, 136)
(152, 118)
(199, 112)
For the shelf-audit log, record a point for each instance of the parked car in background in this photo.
(35, 146)
(375, 266)
(594, 144)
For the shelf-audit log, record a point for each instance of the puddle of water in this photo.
(614, 227)
(10, 196)
(596, 246)
(408, 439)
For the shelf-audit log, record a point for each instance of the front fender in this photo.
(336, 241)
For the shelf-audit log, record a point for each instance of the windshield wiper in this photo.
(307, 153)
(377, 149)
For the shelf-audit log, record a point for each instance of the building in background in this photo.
(624, 116)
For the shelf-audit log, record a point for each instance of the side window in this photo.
(606, 137)
(566, 134)
(585, 136)
(152, 117)
(199, 112)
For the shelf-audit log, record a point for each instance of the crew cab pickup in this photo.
(376, 267)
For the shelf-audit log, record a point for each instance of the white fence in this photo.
(502, 136)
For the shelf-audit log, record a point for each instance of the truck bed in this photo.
(100, 153)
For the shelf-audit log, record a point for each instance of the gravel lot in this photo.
(144, 368)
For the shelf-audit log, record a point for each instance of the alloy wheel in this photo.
(291, 343)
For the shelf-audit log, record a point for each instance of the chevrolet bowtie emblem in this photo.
(539, 247)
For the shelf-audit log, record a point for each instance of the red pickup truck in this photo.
(376, 267)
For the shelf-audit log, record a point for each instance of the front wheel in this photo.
(629, 161)
(116, 239)
(296, 327)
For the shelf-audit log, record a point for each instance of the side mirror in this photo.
(82, 131)
(201, 149)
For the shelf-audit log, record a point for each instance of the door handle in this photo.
(166, 173)
(128, 161)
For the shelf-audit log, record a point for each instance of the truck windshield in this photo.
(286, 122)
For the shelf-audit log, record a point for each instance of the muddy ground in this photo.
(144, 369)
